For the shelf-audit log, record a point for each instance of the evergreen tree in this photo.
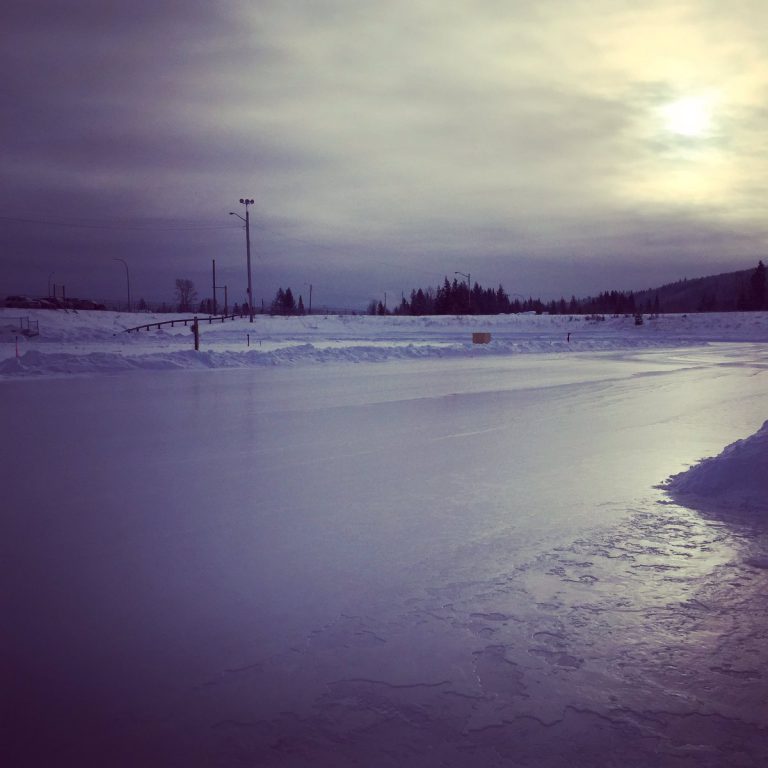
(285, 304)
(419, 303)
(289, 303)
(443, 299)
(502, 300)
(278, 302)
(478, 300)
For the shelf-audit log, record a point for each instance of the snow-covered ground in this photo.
(366, 541)
(83, 342)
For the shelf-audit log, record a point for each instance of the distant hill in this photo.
(717, 293)
(730, 291)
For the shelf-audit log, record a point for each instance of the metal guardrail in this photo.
(183, 321)
(221, 318)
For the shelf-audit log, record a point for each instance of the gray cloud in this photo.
(383, 142)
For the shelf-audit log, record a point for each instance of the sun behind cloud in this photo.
(690, 116)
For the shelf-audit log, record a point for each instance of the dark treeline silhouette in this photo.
(455, 298)
(746, 290)
(606, 303)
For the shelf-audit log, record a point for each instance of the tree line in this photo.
(456, 298)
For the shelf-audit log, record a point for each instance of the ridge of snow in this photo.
(735, 480)
(96, 342)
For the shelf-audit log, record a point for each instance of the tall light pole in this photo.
(246, 202)
(127, 278)
(469, 291)
(310, 297)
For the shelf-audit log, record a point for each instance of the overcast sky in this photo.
(553, 146)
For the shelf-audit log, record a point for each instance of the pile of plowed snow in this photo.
(735, 481)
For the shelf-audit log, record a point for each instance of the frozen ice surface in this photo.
(452, 561)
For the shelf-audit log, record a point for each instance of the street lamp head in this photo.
(241, 200)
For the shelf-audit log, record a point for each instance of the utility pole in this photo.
(218, 287)
(246, 202)
(214, 286)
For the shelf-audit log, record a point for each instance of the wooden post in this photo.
(196, 332)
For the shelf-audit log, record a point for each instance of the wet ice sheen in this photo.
(458, 563)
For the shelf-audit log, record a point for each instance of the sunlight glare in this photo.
(689, 116)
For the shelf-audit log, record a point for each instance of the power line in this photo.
(117, 225)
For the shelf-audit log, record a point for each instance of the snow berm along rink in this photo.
(366, 541)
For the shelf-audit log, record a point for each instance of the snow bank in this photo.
(72, 342)
(736, 481)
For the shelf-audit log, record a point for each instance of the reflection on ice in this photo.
(454, 563)
(626, 641)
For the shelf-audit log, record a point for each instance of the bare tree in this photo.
(185, 294)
